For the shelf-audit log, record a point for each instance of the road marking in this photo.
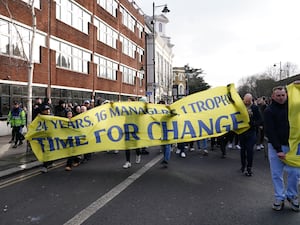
(103, 200)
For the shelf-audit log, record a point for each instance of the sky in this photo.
(231, 39)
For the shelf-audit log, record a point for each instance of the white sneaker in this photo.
(192, 149)
(229, 145)
(262, 146)
(205, 152)
(238, 147)
(182, 155)
(127, 165)
(258, 148)
(177, 151)
(137, 158)
(44, 169)
(116, 151)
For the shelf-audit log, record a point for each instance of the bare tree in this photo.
(258, 85)
(27, 58)
(284, 70)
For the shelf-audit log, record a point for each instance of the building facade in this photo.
(82, 50)
(159, 59)
(179, 83)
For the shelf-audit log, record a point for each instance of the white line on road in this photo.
(103, 200)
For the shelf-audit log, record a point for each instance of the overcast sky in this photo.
(231, 39)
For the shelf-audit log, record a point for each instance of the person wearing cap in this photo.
(87, 104)
(17, 119)
(60, 109)
(36, 108)
(46, 110)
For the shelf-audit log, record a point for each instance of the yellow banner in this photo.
(130, 125)
(293, 156)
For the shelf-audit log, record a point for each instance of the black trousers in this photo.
(16, 134)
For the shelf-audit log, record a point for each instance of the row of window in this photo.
(77, 59)
(15, 40)
(106, 34)
(106, 68)
(70, 57)
(74, 15)
(10, 93)
(110, 6)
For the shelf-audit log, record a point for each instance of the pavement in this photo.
(14, 160)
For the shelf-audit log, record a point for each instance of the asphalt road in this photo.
(195, 190)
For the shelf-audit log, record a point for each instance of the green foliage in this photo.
(196, 83)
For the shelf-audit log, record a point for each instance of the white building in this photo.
(160, 79)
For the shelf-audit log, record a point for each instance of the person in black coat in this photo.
(248, 138)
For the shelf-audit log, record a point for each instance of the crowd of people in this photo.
(268, 124)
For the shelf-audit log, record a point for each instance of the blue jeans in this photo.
(204, 144)
(277, 169)
(167, 152)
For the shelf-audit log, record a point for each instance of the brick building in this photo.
(82, 50)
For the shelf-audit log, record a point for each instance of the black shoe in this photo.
(144, 152)
(11, 141)
(15, 146)
(164, 162)
(242, 169)
(248, 173)
(20, 143)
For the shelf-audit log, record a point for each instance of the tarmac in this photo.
(15, 160)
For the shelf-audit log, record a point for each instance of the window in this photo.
(109, 5)
(140, 75)
(73, 15)
(37, 3)
(140, 54)
(71, 57)
(106, 68)
(106, 34)
(128, 75)
(15, 41)
(128, 47)
(128, 20)
(140, 30)
(4, 37)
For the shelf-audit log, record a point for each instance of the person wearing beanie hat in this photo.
(60, 109)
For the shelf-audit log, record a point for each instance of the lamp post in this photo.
(165, 10)
(186, 73)
(280, 69)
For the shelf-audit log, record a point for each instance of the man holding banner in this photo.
(278, 131)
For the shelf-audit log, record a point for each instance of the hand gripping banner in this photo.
(293, 156)
(130, 125)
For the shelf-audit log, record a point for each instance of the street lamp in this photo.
(186, 73)
(280, 69)
(165, 10)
